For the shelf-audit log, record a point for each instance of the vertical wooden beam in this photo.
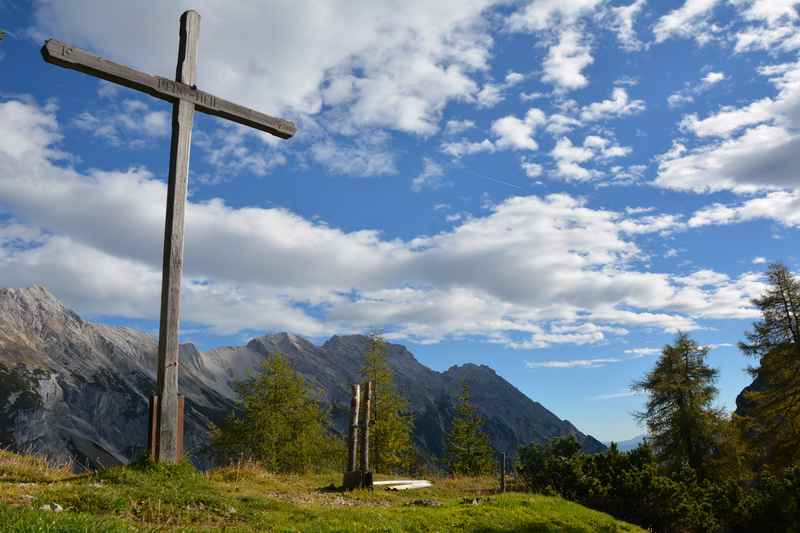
(365, 418)
(168, 361)
(152, 429)
(502, 472)
(352, 438)
(181, 405)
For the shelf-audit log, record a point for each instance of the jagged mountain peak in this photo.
(84, 375)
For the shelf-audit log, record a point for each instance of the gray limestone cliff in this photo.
(75, 390)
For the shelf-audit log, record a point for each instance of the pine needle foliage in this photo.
(772, 416)
(468, 449)
(278, 424)
(683, 425)
(390, 441)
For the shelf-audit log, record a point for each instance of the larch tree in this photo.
(467, 446)
(278, 423)
(391, 424)
(772, 413)
(683, 424)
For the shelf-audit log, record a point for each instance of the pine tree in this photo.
(468, 449)
(390, 441)
(683, 425)
(278, 424)
(772, 416)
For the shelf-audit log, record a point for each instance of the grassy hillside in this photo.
(157, 498)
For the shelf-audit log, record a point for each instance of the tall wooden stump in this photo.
(352, 439)
(365, 418)
(153, 424)
(359, 476)
(352, 477)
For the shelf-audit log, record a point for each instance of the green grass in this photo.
(149, 497)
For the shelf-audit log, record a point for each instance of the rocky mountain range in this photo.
(79, 391)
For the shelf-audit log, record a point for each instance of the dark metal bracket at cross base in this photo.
(358, 439)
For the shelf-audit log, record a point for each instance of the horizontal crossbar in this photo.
(67, 56)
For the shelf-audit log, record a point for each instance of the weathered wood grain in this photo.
(67, 56)
(365, 418)
(352, 437)
(168, 339)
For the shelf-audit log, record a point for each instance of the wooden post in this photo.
(181, 406)
(352, 440)
(502, 472)
(152, 429)
(168, 359)
(365, 418)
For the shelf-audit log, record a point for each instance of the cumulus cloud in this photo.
(689, 20)
(569, 157)
(780, 206)
(510, 132)
(756, 147)
(454, 127)
(623, 19)
(430, 177)
(383, 65)
(517, 134)
(565, 61)
(686, 95)
(546, 270)
(619, 105)
(774, 26)
(573, 363)
(127, 124)
(541, 14)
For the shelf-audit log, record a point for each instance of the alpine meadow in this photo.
(463, 265)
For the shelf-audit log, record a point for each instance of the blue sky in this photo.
(551, 188)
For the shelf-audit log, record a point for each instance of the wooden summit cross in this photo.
(166, 420)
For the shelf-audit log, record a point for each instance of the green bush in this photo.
(633, 486)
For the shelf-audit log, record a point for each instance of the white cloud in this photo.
(532, 170)
(686, 95)
(550, 269)
(512, 133)
(492, 94)
(454, 127)
(569, 157)
(542, 14)
(464, 147)
(559, 124)
(780, 206)
(357, 159)
(760, 158)
(687, 21)
(619, 105)
(763, 158)
(565, 61)
(517, 134)
(774, 27)
(430, 177)
(759, 261)
(642, 352)
(623, 20)
(573, 363)
(383, 65)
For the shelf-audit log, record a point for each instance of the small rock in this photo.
(45, 507)
(57, 508)
(424, 503)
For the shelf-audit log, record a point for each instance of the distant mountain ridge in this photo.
(72, 389)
